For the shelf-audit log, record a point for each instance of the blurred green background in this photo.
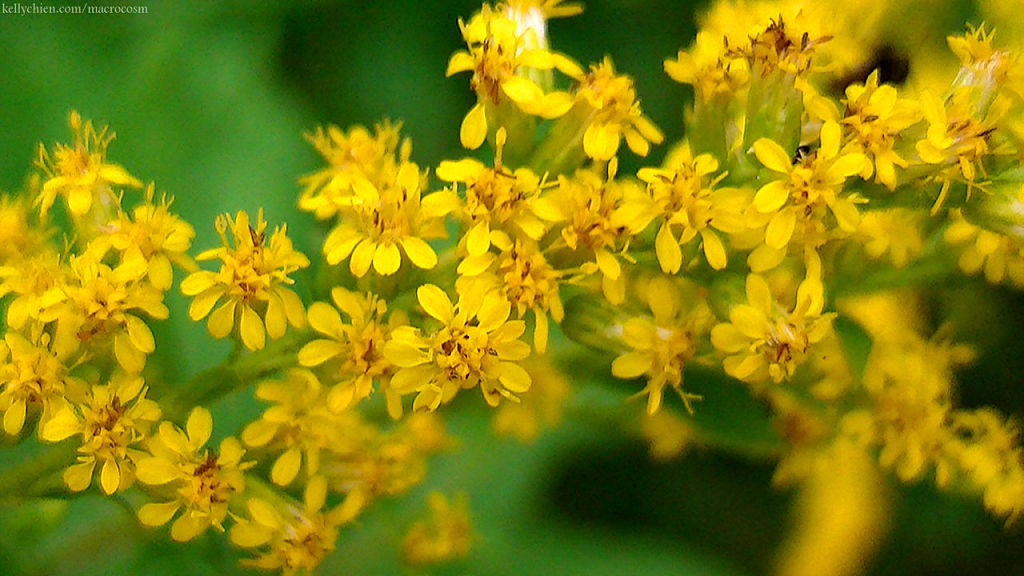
(210, 101)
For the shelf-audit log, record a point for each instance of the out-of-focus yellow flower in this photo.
(660, 346)
(445, 535)
(999, 257)
(80, 172)
(112, 421)
(19, 239)
(475, 345)
(291, 539)
(709, 68)
(200, 482)
(541, 406)
(251, 283)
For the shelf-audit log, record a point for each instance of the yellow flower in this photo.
(999, 257)
(350, 155)
(31, 374)
(37, 283)
(763, 339)
(660, 346)
(806, 185)
(709, 69)
(200, 482)
(586, 206)
(992, 459)
(80, 172)
(103, 304)
(476, 344)
(683, 199)
(298, 424)
(19, 239)
(151, 236)
(503, 58)
(613, 112)
(875, 116)
(499, 204)
(540, 407)
(293, 539)
(251, 282)
(352, 352)
(112, 420)
(445, 535)
(383, 218)
(897, 231)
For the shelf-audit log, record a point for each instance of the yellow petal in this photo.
(79, 200)
(78, 477)
(714, 251)
(14, 417)
(514, 378)
(362, 257)
(419, 252)
(460, 61)
(188, 526)
(608, 264)
(293, 307)
(156, 471)
(286, 467)
(387, 259)
(276, 321)
(631, 365)
(323, 318)
(670, 256)
(61, 425)
(128, 356)
(140, 334)
(250, 327)
(759, 294)
(435, 302)
(478, 239)
(110, 477)
(540, 331)
(522, 90)
(771, 196)
(772, 156)
(250, 534)
(727, 338)
(158, 513)
(601, 141)
(474, 127)
(222, 321)
(780, 229)
(199, 426)
(317, 352)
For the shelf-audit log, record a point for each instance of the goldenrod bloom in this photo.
(503, 58)
(682, 198)
(199, 481)
(80, 172)
(613, 112)
(660, 346)
(499, 205)
(801, 192)
(18, 238)
(112, 421)
(446, 534)
(764, 339)
(476, 344)
(251, 282)
(291, 539)
(999, 257)
(151, 236)
(383, 219)
(351, 351)
(540, 407)
(299, 425)
(31, 374)
(103, 304)
(710, 69)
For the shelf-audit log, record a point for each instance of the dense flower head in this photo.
(290, 538)
(251, 283)
(445, 534)
(112, 420)
(706, 66)
(33, 375)
(763, 339)
(614, 113)
(475, 345)
(503, 59)
(80, 172)
(351, 351)
(380, 219)
(199, 481)
(661, 344)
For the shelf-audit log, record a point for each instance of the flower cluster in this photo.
(751, 257)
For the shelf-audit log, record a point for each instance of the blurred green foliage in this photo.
(210, 101)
